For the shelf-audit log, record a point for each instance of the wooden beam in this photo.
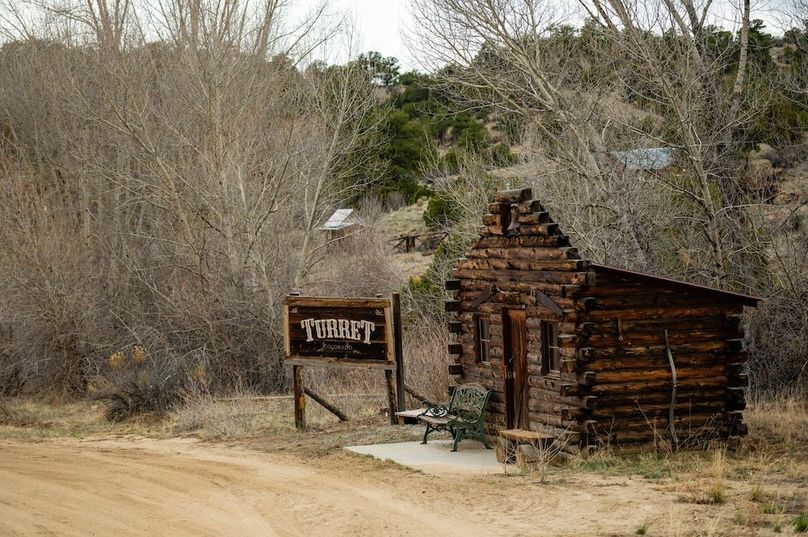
(585, 303)
(525, 207)
(343, 363)
(738, 381)
(539, 229)
(547, 302)
(492, 219)
(735, 321)
(587, 378)
(540, 217)
(736, 394)
(735, 345)
(589, 401)
(415, 394)
(325, 404)
(483, 297)
(452, 285)
(513, 196)
(520, 241)
(585, 329)
(735, 369)
(586, 354)
(567, 291)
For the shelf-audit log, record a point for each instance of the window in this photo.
(550, 357)
(482, 338)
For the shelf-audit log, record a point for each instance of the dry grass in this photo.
(782, 420)
(246, 415)
(28, 418)
(716, 492)
(237, 416)
(265, 423)
(714, 527)
(757, 489)
(407, 220)
(427, 361)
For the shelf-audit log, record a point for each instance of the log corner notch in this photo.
(611, 376)
(513, 196)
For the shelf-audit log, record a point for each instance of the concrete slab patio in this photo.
(436, 457)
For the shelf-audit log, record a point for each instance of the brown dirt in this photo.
(183, 487)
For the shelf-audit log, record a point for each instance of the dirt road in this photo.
(180, 487)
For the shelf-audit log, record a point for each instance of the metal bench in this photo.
(464, 417)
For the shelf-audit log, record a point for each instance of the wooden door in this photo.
(515, 354)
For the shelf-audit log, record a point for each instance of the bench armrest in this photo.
(437, 411)
(463, 422)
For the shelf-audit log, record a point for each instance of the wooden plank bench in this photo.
(464, 417)
(410, 416)
(510, 439)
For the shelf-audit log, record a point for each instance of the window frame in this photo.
(482, 345)
(550, 351)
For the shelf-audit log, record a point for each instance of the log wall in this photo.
(625, 350)
(534, 271)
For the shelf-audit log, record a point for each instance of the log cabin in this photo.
(591, 354)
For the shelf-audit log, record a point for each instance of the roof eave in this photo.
(730, 296)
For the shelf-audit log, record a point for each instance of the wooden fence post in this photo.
(300, 398)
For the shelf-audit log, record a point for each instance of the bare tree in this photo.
(344, 133)
(706, 116)
(511, 56)
(176, 146)
(514, 58)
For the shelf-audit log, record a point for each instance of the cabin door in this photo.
(514, 332)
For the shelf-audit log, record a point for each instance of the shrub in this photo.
(801, 523)
(451, 161)
(501, 155)
(778, 344)
(441, 211)
(473, 137)
(136, 389)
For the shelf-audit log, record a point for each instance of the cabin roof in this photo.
(652, 158)
(746, 300)
(341, 219)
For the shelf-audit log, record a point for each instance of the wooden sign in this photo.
(352, 332)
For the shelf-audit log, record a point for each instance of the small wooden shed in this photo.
(341, 224)
(588, 353)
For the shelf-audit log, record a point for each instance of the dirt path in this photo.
(179, 487)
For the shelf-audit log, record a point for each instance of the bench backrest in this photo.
(468, 401)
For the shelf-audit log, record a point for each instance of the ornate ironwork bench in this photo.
(464, 417)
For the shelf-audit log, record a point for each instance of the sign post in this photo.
(399, 350)
(300, 397)
(343, 332)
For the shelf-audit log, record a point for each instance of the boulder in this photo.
(761, 177)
